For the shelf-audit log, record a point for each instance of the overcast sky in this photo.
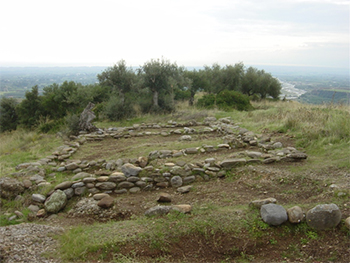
(188, 32)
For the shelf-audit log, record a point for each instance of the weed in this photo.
(312, 235)
(273, 241)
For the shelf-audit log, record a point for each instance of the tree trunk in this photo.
(155, 98)
(122, 97)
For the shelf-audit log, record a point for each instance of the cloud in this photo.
(190, 32)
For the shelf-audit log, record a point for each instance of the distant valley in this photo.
(308, 85)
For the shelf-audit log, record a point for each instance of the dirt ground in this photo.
(289, 183)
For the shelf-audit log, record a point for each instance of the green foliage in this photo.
(225, 100)
(30, 109)
(8, 115)
(228, 100)
(46, 125)
(72, 122)
(116, 109)
(119, 78)
(161, 77)
(207, 101)
(259, 82)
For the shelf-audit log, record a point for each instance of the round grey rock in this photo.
(176, 181)
(323, 217)
(273, 214)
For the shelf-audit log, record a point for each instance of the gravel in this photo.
(27, 243)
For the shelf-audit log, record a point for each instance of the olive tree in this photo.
(160, 76)
(120, 78)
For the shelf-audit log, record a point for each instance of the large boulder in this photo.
(10, 187)
(273, 214)
(55, 202)
(323, 217)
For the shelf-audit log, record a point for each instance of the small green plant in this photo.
(312, 235)
(273, 241)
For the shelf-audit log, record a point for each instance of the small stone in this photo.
(89, 180)
(106, 185)
(27, 183)
(12, 218)
(176, 181)
(158, 210)
(189, 179)
(61, 169)
(277, 145)
(18, 214)
(347, 223)
(41, 213)
(121, 191)
(64, 185)
(130, 170)
(295, 214)
(106, 202)
(38, 198)
(33, 208)
(69, 192)
(230, 163)
(260, 202)
(102, 179)
(99, 196)
(133, 179)
(186, 138)
(184, 189)
(134, 190)
(162, 184)
(183, 208)
(80, 190)
(126, 185)
(72, 166)
(141, 184)
(81, 175)
(164, 198)
(79, 184)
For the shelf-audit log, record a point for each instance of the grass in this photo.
(322, 131)
(24, 146)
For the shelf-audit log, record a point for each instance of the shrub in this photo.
(72, 122)
(8, 115)
(46, 125)
(207, 101)
(116, 110)
(226, 100)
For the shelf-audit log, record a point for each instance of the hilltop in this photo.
(222, 226)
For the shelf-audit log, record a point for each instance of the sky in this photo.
(188, 32)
